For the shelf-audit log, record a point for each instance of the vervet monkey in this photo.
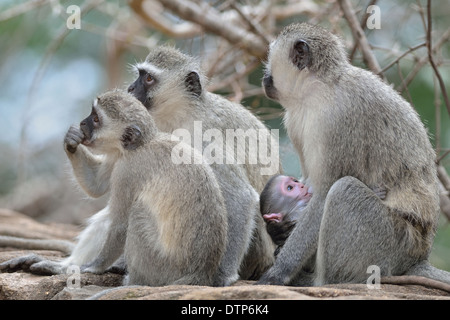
(169, 219)
(172, 87)
(351, 131)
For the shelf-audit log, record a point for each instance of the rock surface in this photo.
(24, 286)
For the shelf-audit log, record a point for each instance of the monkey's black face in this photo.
(139, 89)
(88, 125)
(269, 88)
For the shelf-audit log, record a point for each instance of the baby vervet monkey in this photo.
(168, 219)
(282, 201)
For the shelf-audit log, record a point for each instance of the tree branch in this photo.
(360, 37)
(430, 58)
(151, 13)
(211, 21)
(402, 55)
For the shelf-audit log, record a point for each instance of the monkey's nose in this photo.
(130, 89)
(268, 81)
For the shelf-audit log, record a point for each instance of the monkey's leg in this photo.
(87, 248)
(260, 255)
(241, 202)
(356, 232)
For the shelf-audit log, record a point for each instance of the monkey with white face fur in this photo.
(168, 219)
(351, 131)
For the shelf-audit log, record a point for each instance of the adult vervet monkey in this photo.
(352, 132)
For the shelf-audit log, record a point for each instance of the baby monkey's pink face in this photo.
(292, 188)
(289, 197)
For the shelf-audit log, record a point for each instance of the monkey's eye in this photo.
(148, 78)
(289, 188)
(96, 119)
(295, 180)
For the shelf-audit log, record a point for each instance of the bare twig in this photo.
(437, 117)
(211, 20)
(151, 13)
(444, 38)
(256, 28)
(430, 58)
(446, 153)
(360, 37)
(403, 55)
(363, 26)
(21, 9)
(235, 76)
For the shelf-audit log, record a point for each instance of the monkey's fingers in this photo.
(20, 263)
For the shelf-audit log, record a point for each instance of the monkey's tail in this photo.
(425, 274)
(37, 244)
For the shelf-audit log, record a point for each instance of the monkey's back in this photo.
(178, 219)
(379, 138)
(227, 115)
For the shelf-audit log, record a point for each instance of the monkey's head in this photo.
(299, 51)
(281, 203)
(167, 81)
(118, 121)
(282, 197)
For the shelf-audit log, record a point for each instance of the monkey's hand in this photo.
(73, 138)
(280, 231)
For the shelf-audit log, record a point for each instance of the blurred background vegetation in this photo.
(49, 75)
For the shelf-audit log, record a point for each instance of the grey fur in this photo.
(351, 131)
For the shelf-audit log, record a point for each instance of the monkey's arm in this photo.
(299, 247)
(91, 171)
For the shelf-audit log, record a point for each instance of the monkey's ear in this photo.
(131, 137)
(192, 82)
(300, 54)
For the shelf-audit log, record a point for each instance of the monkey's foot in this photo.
(47, 268)
(21, 263)
(267, 279)
(92, 267)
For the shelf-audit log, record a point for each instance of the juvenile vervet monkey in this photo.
(169, 219)
(172, 87)
(351, 131)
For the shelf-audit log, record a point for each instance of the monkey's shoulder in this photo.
(234, 114)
